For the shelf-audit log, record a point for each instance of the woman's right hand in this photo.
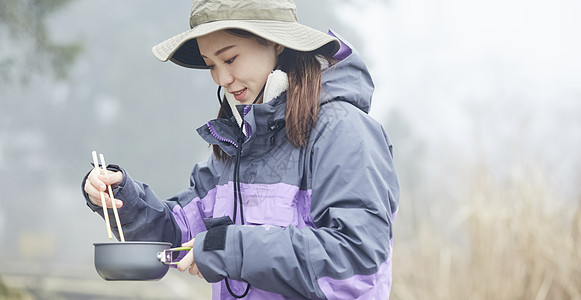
(97, 183)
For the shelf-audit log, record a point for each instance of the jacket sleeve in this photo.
(354, 198)
(145, 217)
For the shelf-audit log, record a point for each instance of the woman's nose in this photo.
(224, 77)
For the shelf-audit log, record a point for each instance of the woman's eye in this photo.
(231, 60)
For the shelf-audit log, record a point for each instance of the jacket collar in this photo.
(258, 118)
(276, 84)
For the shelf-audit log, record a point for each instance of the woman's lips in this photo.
(239, 95)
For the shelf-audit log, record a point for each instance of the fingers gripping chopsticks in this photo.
(103, 171)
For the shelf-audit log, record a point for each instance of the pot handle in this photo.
(166, 256)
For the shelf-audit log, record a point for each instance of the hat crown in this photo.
(204, 11)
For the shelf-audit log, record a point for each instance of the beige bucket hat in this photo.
(274, 20)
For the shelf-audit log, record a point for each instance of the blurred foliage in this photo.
(11, 293)
(24, 22)
(31, 61)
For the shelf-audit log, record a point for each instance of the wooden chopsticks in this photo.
(103, 171)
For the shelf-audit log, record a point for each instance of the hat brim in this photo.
(183, 50)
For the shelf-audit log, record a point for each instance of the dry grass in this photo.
(515, 239)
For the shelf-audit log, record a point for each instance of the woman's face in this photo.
(239, 64)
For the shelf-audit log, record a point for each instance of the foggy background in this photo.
(464, 89)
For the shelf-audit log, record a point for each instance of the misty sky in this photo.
(498, 81)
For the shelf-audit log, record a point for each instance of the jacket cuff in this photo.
(216, 265)
(216, 237)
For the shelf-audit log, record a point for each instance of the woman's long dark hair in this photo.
(302, 99)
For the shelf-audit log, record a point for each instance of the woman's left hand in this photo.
(188, 261)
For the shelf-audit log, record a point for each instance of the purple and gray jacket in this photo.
(317, 219)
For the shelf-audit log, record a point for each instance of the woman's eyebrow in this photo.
(221, 50)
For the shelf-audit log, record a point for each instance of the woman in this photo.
(298, 198)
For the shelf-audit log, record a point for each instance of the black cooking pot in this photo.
(130, 260)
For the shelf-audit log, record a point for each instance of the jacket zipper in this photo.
(218, 137)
